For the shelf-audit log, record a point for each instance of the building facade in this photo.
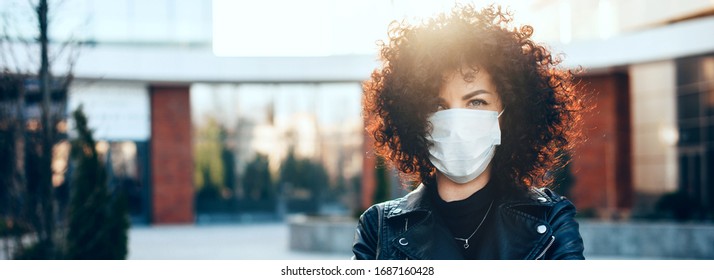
(151, 83)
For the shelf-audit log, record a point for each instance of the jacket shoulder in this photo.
(559, 213)
(386, 208)
(545, 195)
(379, 211)
(541, 202)
(367, 243)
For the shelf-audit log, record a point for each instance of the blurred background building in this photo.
(650, 65)
(222, 110)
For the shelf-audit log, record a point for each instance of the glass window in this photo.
(688, 106)
(127, 171)
(695, 111)
(688, 71)
(283, 147)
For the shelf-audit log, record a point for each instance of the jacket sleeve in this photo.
(568, 244)
(366, 238)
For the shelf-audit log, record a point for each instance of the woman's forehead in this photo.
(467, 78)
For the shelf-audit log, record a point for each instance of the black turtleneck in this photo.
(462, 217)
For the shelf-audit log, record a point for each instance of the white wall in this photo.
(115, 110)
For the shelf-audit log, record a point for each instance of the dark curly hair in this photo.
(542, 109)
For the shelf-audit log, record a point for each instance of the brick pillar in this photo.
(369, 162)
(171, 155)
(602, 165)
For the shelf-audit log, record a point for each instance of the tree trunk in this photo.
(19, 180)
(46, 211)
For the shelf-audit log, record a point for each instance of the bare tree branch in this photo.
(8, 44)
(15, 36)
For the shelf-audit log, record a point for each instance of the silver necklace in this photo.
(466, 240)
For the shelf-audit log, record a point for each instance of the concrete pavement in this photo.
(261, 241)
(237, 241)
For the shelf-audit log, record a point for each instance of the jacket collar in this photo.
(418, 201)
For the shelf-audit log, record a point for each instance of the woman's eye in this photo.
(477, 103)
(440, 107)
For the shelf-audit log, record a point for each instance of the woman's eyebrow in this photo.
(474, 93)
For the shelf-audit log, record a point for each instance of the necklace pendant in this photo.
(466, 245)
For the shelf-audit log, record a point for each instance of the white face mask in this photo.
(464, 142)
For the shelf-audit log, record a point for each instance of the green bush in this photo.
(98, 221)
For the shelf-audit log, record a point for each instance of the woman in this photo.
(478, 114)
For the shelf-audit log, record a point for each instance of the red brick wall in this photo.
(171, 155)
(369, 181)
(602, 165)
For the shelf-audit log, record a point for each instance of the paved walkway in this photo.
(264, 241)
(261, 241)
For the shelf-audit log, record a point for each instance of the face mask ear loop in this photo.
(501, 113)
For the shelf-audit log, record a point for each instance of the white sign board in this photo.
(115, 111)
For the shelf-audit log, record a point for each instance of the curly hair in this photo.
(542, 109)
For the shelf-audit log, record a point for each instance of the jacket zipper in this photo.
(406, 226)
(552, 239)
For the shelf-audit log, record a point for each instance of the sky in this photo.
(316, 27)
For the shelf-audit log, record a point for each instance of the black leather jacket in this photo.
(537, 226)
